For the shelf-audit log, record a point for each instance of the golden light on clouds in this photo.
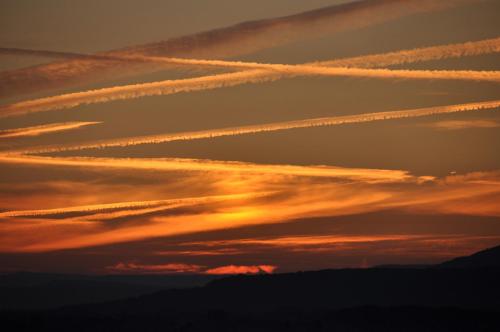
(213, 175)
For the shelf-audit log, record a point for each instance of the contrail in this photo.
(275, 72)
(225, 42)
(111, 208)
(226, 80)
(43, 129)
(84, 208)
(178, 164)
(481, 47)
(305, 69)
(242, 130)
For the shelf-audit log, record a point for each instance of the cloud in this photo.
(159, 268)
(406, 245)
(242, 38)
(189, 268)
(306, 241)
(293, 198)
(462, 124)
(43, 129)
(286, 125)
(242, 269)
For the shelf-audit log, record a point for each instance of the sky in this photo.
(247, 136)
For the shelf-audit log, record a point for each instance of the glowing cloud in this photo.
(462, 124)
(159, 268)
(299, 241)
(242, 269)
(294, 198)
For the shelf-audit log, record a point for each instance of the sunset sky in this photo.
(240, 136)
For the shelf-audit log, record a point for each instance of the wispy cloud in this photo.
(242, 269)
(305, 241)
(189, 268)
(293, 198)
(462, 124)
(152, 268)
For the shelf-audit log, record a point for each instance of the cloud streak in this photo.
(242, 269)
(190, 268)
(154, 268)
(295, 199)
(462, 124)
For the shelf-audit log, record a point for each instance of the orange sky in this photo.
(255, 150)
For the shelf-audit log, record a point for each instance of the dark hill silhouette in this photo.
(485, 258)
(372, 319)
(328, 289)
(25, 290)
(435, 298)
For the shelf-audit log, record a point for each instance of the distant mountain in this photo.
(341, 300)
(486, 258)
(27, 290)
(459, 295)
(381, 285)
(327, 289)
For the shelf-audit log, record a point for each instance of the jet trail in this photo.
(275, 72)
(305, 69)
(112, 207)
(242, 130)
(43, 129)
(225, 42)
(227, 80)
(474, 48)
(178, 164)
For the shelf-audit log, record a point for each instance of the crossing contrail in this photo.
(239, 39)
(169, 87)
